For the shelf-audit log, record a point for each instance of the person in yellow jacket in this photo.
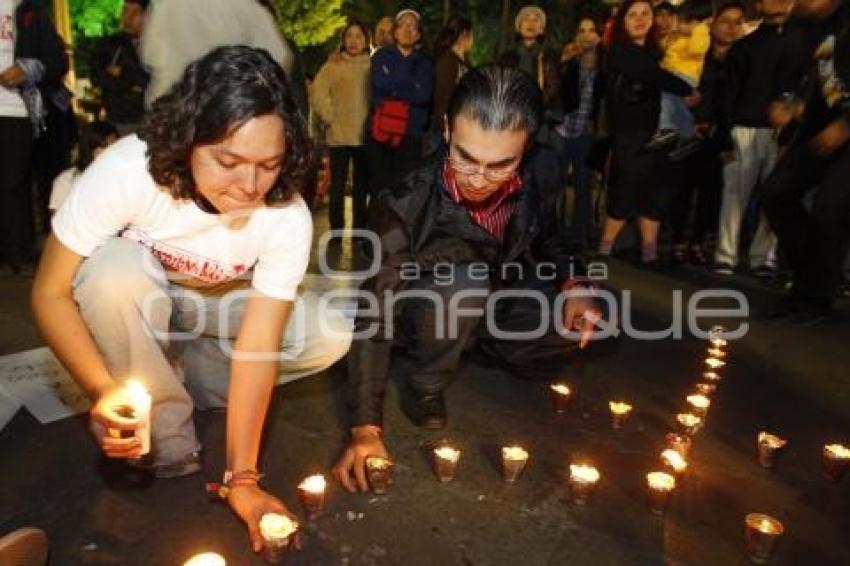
(684, 53)
(340, 97)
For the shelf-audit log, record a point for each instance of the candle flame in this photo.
(716, 353)
(136, 394)
(584, 473)
(206, 559)
(837, 451)
(661, 481)
(699, 401)
(714, 363)
(711, 376)
(377, 463)
(447, 453)
(277, 526)
(674, 460)
(560, 389)
(688, 420)
(718, 342)
(619, 407)
(771, 440)
(706, 388)
(514, 453)
(314, 484)
(765, 524)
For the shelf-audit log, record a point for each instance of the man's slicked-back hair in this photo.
(497, 98)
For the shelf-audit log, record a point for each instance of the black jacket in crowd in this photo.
(417, 222)
(37, 39)
(123, 96)
(762, 66)
(634, 81)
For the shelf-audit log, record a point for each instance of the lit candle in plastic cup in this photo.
(836, 461)
(698, 404)
(689, 424)
(135, 404)
(620, 412)
(763, 531)
(681, 443)
(659, 487)
(278, 532)
(674, 461)
(206, 559)
(380, 473)
(561, 395)
(714, 364)
(446, 458)
(715, 336)
(514, 460)
(311, 493)
(711, 376)
(583, 480)
(769, 448)
(706, 389)
(718, 353)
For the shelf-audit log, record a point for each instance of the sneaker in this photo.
(24, 547)
(427, 411)
(662, 139)
(696, 256)
(186, 466)
(684, 149)
(765, 273)
(723, 268)
(679, 255)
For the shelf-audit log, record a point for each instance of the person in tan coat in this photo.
(340, 97)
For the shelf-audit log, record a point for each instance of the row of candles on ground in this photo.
(762, 530)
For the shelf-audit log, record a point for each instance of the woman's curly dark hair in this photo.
(217, 94)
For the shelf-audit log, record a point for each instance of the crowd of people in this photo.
(693, 117)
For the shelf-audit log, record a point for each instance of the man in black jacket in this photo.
(815, 242)
(119, 73)
(452, 235)
(762, 67)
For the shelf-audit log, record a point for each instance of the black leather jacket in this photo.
(417, 222)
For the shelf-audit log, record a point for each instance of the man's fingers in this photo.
(254, 536)
(343, 471)
(360, 472)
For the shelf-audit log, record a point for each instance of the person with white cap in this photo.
(529, 54)
(402, 81)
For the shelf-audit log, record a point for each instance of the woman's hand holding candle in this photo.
(115, 433)
(250, 503)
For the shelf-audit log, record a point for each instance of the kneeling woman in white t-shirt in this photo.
(191, 239)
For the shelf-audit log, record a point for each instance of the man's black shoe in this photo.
(426, 411)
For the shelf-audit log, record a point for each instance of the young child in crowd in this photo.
(94, 138)
(684, 52)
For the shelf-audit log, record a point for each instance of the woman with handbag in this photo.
(402, 81)
(635, 82)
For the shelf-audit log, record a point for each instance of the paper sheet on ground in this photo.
(36, 380)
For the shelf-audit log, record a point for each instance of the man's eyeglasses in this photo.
(494, 174)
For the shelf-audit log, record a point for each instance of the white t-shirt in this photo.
(116, 195)
(11, 103)
(61, 188)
